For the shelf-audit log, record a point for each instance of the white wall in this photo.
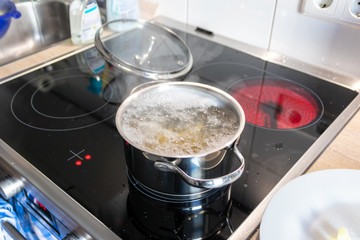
(174, 9)
(247, 21)
(326, 44)
(277, 25)
(243, 20)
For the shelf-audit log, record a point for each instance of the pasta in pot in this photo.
(179, 120)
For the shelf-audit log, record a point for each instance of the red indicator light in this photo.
(88, 157)
(78, 163)
(42, 206)
(39, 204)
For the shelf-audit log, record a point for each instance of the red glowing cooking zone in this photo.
(276, 104)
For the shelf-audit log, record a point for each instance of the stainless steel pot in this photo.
(177, 173)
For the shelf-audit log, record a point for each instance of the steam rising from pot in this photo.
(178, 120)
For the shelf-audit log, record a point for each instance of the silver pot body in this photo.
(183, 178)
(186, 176)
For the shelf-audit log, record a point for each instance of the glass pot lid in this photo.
(144, 48)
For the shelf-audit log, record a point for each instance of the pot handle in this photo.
(205, 183)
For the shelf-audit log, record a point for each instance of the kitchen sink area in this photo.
(42, 24)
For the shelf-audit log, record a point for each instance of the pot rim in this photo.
(231, 100)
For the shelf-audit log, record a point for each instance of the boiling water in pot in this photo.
(179, 122)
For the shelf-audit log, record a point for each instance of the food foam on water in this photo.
(178, 123)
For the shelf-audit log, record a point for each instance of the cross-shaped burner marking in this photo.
(76, 155)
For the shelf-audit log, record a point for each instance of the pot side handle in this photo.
(205, 183)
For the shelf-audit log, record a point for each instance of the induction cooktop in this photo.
(60, 118)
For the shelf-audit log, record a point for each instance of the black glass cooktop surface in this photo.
(61, 119)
